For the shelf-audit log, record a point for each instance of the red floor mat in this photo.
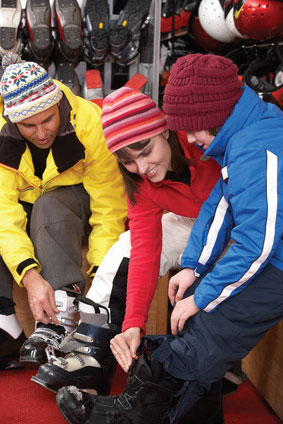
(24, 402)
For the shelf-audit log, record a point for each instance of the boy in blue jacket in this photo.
(224, 301)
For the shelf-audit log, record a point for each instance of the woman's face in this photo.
(152, 161)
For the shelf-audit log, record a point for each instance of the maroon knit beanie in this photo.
(201, 92)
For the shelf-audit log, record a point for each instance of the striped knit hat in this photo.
(128, 116)
(26, 88)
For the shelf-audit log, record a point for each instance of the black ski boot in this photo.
(68, 31)
(10, 27)
(9, 350)
(40, 42)
(96, 42)
(146, 398)
(125, 35)
(33, 352)
(90, 364)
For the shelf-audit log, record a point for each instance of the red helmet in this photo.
(259, 19)
(229, 18)
(201, 37)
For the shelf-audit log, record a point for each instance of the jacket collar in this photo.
(66, 149)
(247, 110)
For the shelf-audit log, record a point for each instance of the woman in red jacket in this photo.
(161, 173)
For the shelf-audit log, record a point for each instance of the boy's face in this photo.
(41, 128)
(201, 138)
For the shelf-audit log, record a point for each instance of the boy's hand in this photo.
(183, 310)
(179, 283)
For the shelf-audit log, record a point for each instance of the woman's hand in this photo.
(124, 346)
(179, 283)
(183, 310)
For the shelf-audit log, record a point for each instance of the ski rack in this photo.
(147, 63)
(116, 76)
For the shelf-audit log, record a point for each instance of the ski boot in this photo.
(11, 336)
(96, 40)
(137, 81)
(33, 351)
(93, 88)
(10, 27)
(167, 14)
(9, 352)
(40, 42)
(189, 5)
(125, 35)
(146, 398)
(69, 30)
(90, 364)
(68, 76)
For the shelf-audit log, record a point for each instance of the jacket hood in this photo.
(249, 109)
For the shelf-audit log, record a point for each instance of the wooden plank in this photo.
(264, 367)
(158, 313)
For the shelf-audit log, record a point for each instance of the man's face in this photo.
(41, 129)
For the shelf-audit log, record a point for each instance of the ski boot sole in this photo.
(69, 22)
(10, 19)
(97, 23)
(88, 378)
(38, 19)
(68, 76)
(129, 25)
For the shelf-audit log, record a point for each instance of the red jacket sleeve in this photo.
(146, 243)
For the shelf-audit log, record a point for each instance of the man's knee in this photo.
(49, 209)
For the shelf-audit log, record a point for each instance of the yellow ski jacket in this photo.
(78, 155)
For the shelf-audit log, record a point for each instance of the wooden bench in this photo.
(158, 314)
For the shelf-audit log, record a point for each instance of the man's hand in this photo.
(124, 346)
(41, 297)
(179, 283)
(183, 310)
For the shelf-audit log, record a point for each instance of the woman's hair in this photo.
(132, 180)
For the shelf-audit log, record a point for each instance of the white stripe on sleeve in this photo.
(272, 201)
(214, 230)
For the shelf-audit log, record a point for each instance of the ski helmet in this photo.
(212, 19)
(259, 19)
(229, 18)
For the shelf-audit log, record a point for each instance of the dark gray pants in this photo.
(212, 342)
(57, 225)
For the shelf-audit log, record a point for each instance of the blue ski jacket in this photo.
(246, 205)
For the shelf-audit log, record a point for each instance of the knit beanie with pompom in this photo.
(26, 88)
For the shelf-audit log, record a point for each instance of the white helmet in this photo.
(212, 19)
(229, 18)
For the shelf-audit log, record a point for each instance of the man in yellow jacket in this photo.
(58, 185)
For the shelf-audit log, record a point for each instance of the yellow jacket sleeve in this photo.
(16, 247)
